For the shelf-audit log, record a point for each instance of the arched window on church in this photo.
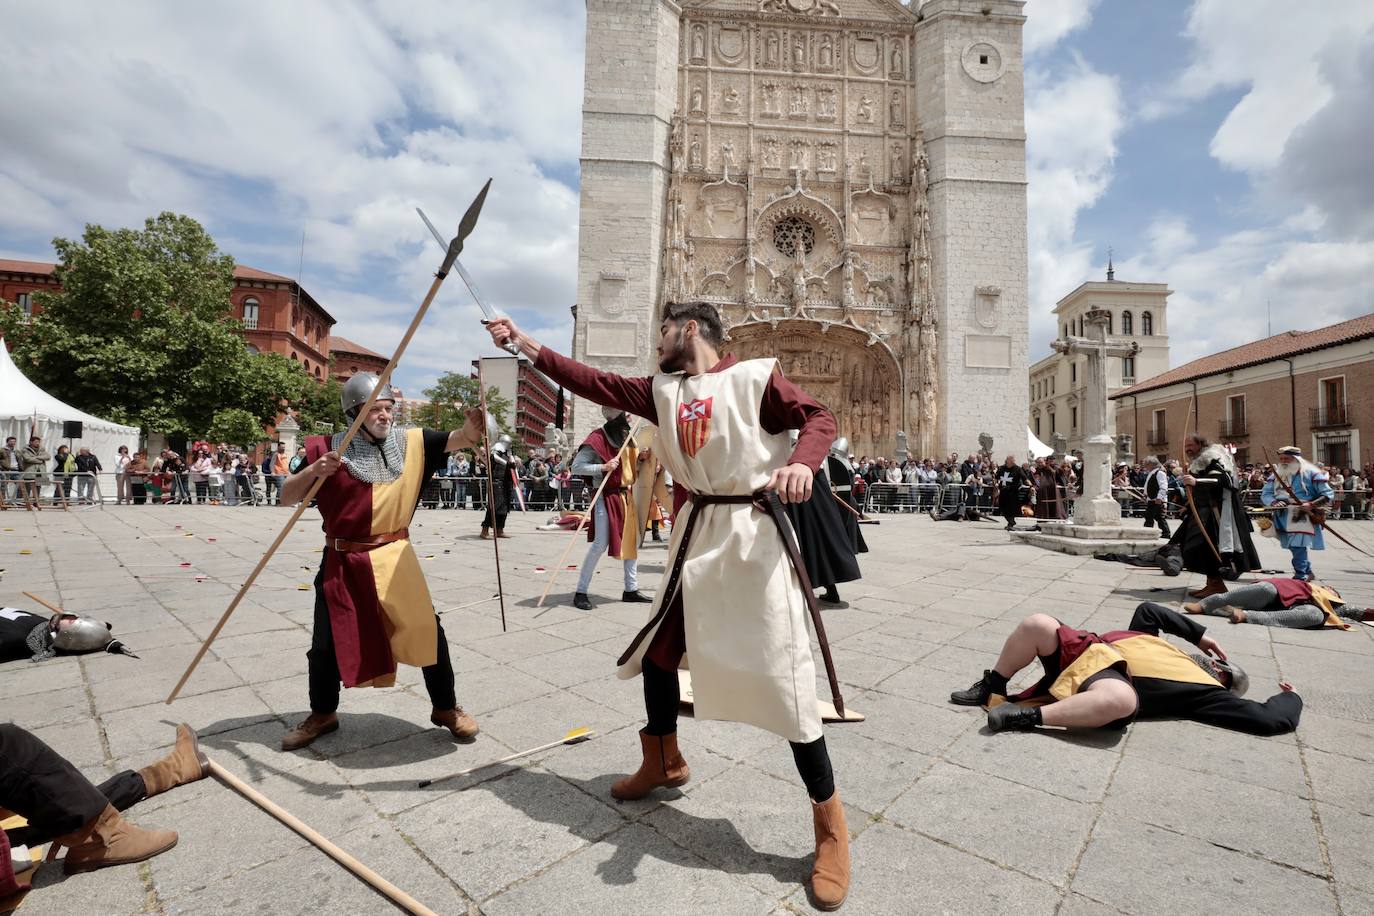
(1127, 324)
(1147, 324)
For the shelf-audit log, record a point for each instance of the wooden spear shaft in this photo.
(380, 884)
(591, 507)
(491, 492)
(383, 383)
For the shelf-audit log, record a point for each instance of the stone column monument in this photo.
(1096, 524)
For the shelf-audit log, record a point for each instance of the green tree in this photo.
(317, 408)
(140, 332)
(453, 388)
(237, 427)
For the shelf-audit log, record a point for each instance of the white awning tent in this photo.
(1037, 448)
(24, 407)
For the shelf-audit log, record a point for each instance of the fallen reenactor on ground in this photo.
(1107, 680)
(24, 634)
(64, 807)
(1282, 602)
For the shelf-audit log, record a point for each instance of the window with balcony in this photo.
(1330, 411)
(1127, 369)
(25, 303)
(1233, 426)
(250, 314)
(1147, 324)
(1157, 435)
(1127, 323)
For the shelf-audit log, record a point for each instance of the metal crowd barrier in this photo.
(79, 489)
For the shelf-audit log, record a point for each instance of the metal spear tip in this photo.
(465, 227)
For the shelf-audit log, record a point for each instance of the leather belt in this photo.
(343, 545)
(767, 502)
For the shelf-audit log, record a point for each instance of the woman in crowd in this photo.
(121, 465)
(63, 467)
(200, 469)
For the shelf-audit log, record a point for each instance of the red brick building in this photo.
(347, 359)
(531, 393)
(1313, 389)
(278, 315)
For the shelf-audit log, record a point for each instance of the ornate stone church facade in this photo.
(844, 179)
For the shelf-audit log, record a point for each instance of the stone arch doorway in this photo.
(860, 384)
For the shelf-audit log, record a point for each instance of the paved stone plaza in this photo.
(1170, 817)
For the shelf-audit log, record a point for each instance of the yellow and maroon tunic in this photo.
(379, 605)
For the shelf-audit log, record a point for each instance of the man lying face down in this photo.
(24, 634)
(1105, 680)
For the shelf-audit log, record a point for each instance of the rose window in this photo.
(792, 234)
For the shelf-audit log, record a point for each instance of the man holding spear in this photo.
(372, 607)
(736, 597)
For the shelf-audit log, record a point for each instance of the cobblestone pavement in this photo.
(1170, 817)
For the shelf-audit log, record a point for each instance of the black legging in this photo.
(324, 663)
(40, 784)
(661, 699)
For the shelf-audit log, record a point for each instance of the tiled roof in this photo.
(46, 269)
(344, 345)
(1287, 344)
(8, 265)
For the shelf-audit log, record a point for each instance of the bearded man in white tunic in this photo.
(733, 603)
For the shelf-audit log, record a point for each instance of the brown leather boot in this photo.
(459, 723)
(830, 873)
(110, 840)
(185, 764)
(303, 735)
(662, 766)
(1214, 586)
(501, 533)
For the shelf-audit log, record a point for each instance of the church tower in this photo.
(843, 179)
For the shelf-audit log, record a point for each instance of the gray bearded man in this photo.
(1214, 533)
(740, 611)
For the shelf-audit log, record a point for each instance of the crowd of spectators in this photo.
(225, 475)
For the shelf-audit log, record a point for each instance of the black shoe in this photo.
(1009, 716)
(581, 602)
(636, 597)
(982, 690)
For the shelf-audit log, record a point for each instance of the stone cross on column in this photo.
(1096, 507)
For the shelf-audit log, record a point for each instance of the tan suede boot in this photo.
(185, 764)
(110, 840)
(315, 725)
(662, 766)
(459, 723)
(830, 874)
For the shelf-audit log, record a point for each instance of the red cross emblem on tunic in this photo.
(693, 425)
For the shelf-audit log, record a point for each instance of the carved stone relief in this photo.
(730, 45)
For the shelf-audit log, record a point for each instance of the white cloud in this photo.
(1073, 121)
(1048, 21)
(263, 119)
(1275, 53)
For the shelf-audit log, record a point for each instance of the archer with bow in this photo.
(1214, 535)
(1304, 490)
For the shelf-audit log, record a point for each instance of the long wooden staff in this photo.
(1192, 506)
(380, 884)
(591, 508)
(491, 494)
(383, 384)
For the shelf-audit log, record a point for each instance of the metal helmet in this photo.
(82, 634)
(502, 446)
(840, 448)
(611, 413)
(357, 390)
(1240, 681)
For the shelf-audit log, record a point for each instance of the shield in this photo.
(866, 53)
(730, 42)
(694, 425)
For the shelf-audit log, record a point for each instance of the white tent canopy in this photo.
(24, 407)
(1037, 448)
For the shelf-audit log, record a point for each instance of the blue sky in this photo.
(1213, 144)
